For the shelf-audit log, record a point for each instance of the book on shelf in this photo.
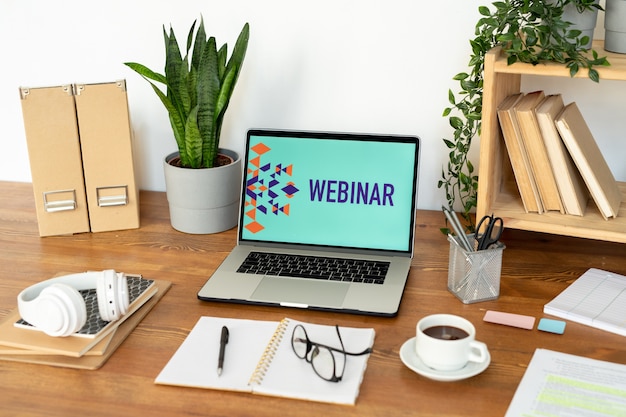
(259, 359)
(571, 186)
(597, 298)
(587, 156)
(533, 140)
(518, 155)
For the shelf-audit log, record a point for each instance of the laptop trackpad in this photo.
(309, 292)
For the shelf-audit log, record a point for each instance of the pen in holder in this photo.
(474, 276)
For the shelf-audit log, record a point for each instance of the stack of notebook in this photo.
(90, 347)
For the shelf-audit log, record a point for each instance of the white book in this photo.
(597, 298)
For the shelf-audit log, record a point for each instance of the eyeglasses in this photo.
(322, 357)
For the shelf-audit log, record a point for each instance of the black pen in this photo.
(223, 342)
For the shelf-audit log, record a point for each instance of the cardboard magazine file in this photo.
(55, 159)
(106, 141)
(80, 149)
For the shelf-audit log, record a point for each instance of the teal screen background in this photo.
(374, 226)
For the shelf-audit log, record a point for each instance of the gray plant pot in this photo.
(585, 21)
(203, 200)
(615, 26)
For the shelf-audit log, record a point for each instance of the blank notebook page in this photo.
(195, 362)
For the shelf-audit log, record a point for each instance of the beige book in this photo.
(98, 349)
(537, 153)
(588, 158)
(517, 153)
(571, 186)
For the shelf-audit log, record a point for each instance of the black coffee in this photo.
(446, 332)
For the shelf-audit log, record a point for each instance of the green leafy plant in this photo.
(582, 5)
(530, 31)
(198, 91)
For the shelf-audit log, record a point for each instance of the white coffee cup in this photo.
(446, 342)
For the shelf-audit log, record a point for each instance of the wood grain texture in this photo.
(536, 267)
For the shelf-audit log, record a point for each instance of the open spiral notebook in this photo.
(259, 359)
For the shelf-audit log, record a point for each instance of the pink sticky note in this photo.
(510, 319)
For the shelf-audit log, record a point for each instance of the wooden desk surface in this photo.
(536, 267)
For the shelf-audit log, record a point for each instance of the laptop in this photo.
(326, 223)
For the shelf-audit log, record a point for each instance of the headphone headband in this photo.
(80, 281)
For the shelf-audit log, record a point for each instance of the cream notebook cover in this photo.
(259, 359)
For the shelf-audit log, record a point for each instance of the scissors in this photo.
(488, 231)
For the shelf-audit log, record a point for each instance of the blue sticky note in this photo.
(551, 326)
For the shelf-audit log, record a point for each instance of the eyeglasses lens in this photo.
(299, 342)
(323, 362)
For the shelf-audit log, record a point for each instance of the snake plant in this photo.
(198, 90)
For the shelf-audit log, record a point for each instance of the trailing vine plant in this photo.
(530, 31)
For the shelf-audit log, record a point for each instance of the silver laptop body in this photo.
(323, 195)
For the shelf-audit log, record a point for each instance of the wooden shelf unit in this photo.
(497, 191)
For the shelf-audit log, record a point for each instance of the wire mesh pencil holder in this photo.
(474, 276)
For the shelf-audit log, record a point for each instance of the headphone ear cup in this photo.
(123, 292)
(61, 310)
(113, 298)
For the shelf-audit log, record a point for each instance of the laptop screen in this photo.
(330, 189)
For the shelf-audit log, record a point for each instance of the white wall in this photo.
(342, 65)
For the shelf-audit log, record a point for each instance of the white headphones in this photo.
(56, 307)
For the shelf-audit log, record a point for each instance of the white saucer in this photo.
(414, 363)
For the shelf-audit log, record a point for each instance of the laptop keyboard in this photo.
(315, 267)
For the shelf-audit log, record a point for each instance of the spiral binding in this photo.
(269, 353)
